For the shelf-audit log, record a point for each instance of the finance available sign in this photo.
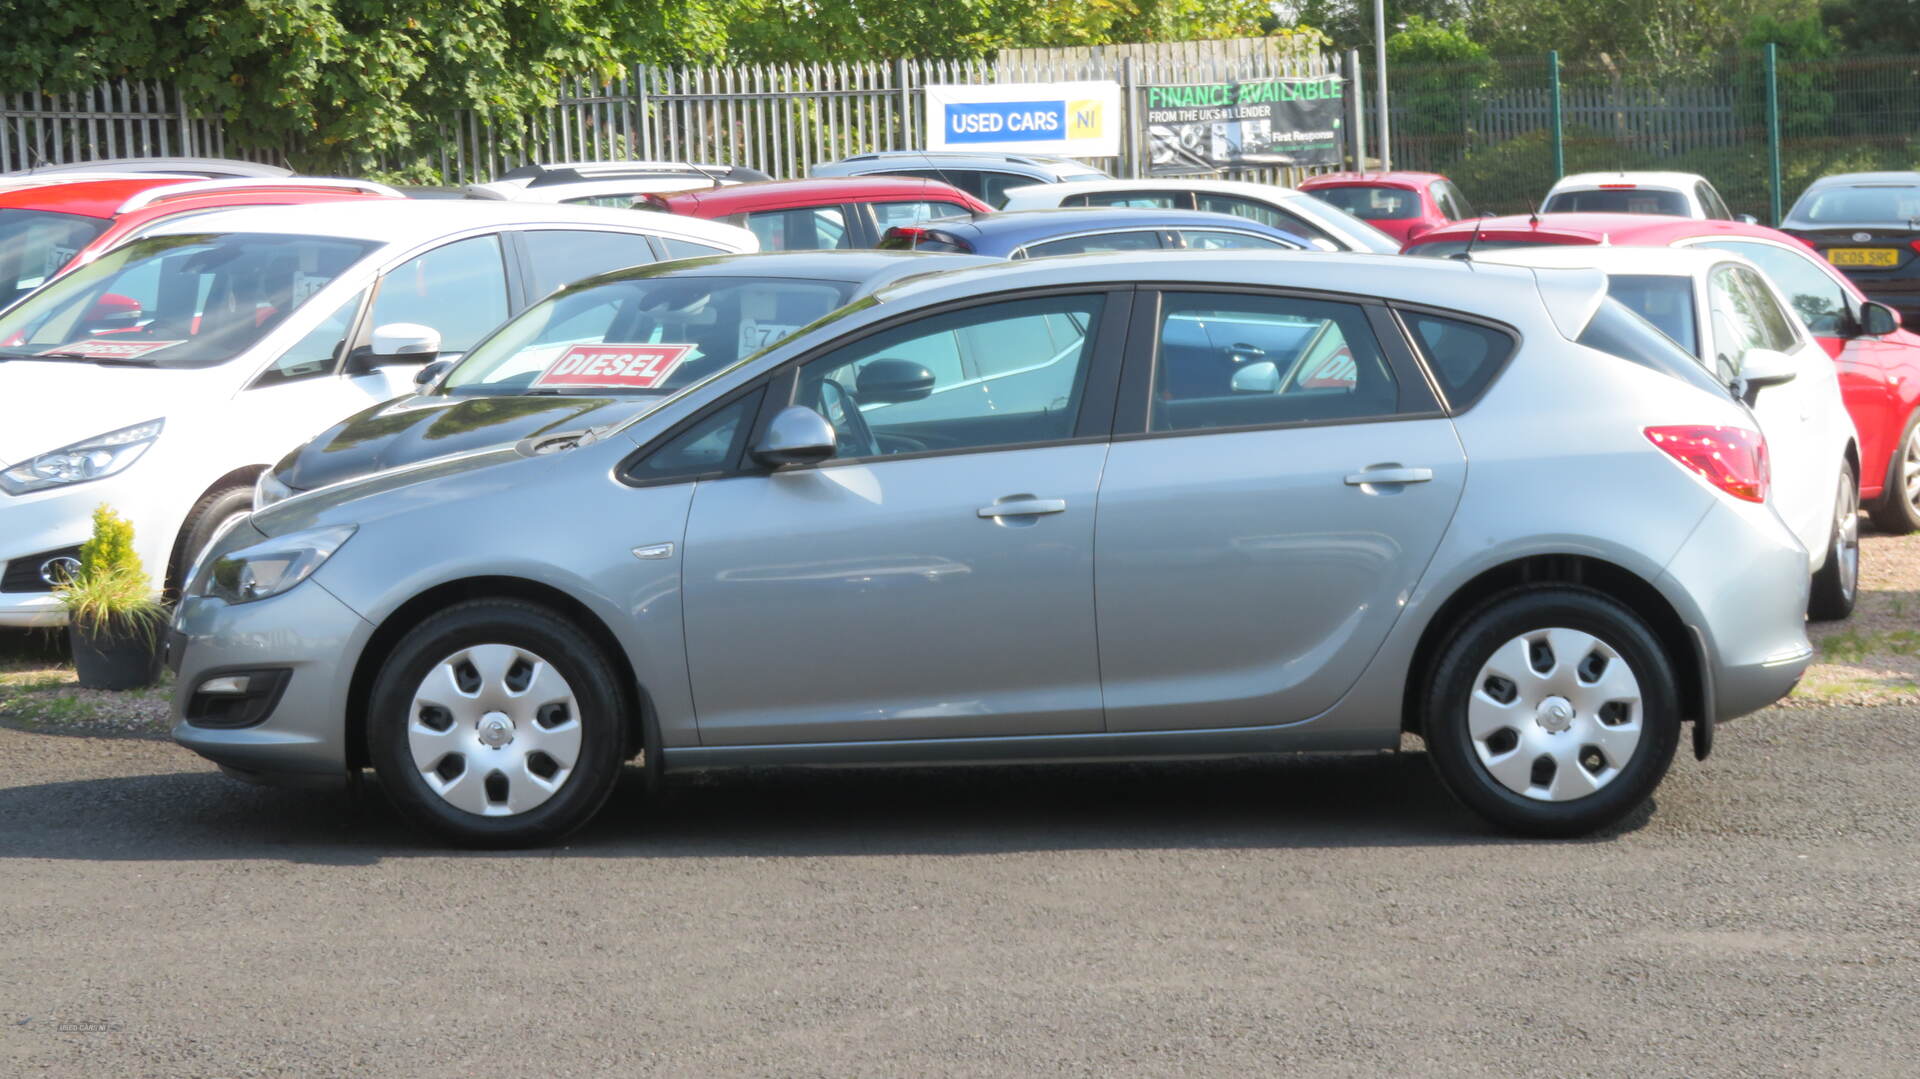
(1074, 119)
(1263, 124)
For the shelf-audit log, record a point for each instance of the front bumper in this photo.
(306, 632)
(33, 524)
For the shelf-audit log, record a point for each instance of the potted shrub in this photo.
(113, 619)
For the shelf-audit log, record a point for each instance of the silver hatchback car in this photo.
(1168, 505)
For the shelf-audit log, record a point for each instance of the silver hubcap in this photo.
(494, 730)
(1555, 714)
(1910, 468)
(1846, 534)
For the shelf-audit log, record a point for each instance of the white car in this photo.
(1327, 227)
(1675, 194)
(1726, 312)
(607, 183)
(165, 376)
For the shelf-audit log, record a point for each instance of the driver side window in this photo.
(1003, 374)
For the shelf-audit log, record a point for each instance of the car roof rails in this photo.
(574, 172)
(207, 167)
(204, 187)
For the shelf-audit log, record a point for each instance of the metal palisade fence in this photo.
(780, 118)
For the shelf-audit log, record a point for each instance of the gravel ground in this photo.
(1317, 916)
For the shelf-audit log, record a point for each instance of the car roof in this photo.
(1395, 178)
(1035, 165)
(406, 222)
(1164, 183)
(867, 268)
(205, 167)
(90, 197)
(1581, 180)
(775, 194)
(1656, 261)
(1028, 225)
(1845, 179)
(1650, 230)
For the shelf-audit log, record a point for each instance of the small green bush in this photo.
(111, 593)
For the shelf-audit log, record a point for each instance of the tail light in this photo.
(1619, 187)
(1915, 245)
(1733, 459)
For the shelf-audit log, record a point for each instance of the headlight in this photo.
(267, 490)
(90, 460)
(270, 568)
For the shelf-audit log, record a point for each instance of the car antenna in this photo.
(1466, 253)
(712, 177)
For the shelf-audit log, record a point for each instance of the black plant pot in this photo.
(115, 656)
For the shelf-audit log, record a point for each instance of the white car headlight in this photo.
(93, 459)
(267, 490)
(269, 568)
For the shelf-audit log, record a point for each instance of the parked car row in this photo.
(717, 486)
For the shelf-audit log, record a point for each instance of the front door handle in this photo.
(1384, 476)
(1025, 507)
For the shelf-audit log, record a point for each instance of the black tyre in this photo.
(497, 723)
(204, 521)
(1552, 712)
(1837, 583)
(1897, 510)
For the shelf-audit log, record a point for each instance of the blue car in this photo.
(1035, 233)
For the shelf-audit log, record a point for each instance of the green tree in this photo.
(1436, 71)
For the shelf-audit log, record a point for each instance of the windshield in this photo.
(1662, 299)
(176, 301)
(1854, 205)
(642, 334)
(36, 244)
(1372, 203)
(1619, 200)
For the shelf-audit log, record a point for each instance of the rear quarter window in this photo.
(1463, 356)
(1617, 331)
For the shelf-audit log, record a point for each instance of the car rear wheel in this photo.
(1837, 583)
(214, 512)
(497, 723)
(1553, 712)
(1898, 510)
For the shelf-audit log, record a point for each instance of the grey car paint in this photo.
(1558, 466)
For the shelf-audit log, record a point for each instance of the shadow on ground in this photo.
(1350, 801)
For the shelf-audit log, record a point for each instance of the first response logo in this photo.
(631, 367)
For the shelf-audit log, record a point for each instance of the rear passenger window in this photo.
(563, 256)
(1463, 356)
(1247, 361)
(819, 228)
(1132, 240)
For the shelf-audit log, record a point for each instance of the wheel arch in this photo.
(1623, 585)
(366, 669)
(243, 477)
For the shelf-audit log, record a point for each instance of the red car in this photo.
(822, 214)
(46, 228)
(1401, 204)
(1879, 362)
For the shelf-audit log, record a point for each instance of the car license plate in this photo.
(1863, 256)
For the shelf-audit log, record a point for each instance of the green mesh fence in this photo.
(1492, 126)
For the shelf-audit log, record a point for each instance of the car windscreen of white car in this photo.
(175, 301)
(645, 333)
(1666, 300)
(1618, 200)
(36, 244)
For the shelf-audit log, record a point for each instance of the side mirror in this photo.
(1262, 377)
(1417, 228)
(1762, 367)
(891, 381)
(1746, 219)
(1877, 319)
(403, 343)
(431, 373)
(797, 436)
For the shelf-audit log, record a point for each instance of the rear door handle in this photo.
(1025, 507)
(1383, 476)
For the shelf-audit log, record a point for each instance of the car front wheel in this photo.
(1837, 583)
(1898, 509)
(1553, 712)
(497, 723)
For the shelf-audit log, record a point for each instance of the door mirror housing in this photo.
(399, 343)
(424, 379)
(1760, 368)
(1262, 377)
(1747, 219)
(1877, 319)
(888, 381)
(797, 436)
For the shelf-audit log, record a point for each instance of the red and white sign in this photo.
(633, 367)
(108, 348)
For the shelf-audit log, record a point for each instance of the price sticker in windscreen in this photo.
(627, 367)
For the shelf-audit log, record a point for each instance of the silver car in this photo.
(1177, 504)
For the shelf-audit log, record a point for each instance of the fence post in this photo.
(1356, 110)
(1773, 131)
(1559, 125)
(906, 103)
(1129, 110)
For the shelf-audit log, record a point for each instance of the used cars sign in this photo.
(1075, 119)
